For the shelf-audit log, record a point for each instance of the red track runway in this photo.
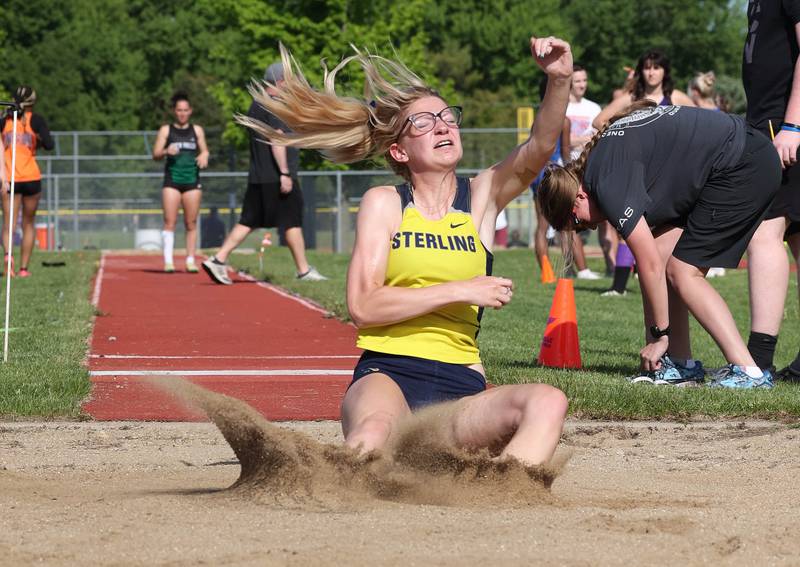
(281, 354)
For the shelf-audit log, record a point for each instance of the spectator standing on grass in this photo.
(32, 134)
(770, 76)
(183, 144)
(420, 274)
(652, 80)
(274, 197)
(581, 113)
(540, 245)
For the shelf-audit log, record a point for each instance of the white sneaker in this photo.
(217, 272)
(312, 275)
(613, 293)
(588, 274)
(715, 272)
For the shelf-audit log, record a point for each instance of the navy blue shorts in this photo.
(422, 381)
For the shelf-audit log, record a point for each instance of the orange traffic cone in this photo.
(560, 347)
(547, 271)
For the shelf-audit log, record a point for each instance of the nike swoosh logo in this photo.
(453, 225)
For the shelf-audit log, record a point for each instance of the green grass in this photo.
(611, 334)
(50, 325)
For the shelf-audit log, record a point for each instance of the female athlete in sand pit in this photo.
(184, 146)
(420, 274)
(686, 188)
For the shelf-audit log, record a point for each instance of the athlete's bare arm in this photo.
(498, 185)
(614, 107)
(160, 145)
(371, 303)
(202, 156)
(787, 142)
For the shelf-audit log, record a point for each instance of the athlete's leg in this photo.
(170, 201)
(768, 276)
(540, 236)
(235, 237)
(30, 203)
(709, 309)
(191, 208)
(608, 243)
(525, 419)
(680, 345)
(7, 248)
(297, 246)
(370, 410)
(578, 255)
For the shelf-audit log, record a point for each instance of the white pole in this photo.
(10, 250)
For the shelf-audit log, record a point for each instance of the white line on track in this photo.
(294, 372)
(98, 282)
(222, 357)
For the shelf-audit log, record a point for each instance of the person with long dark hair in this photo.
(32, 134)
(183, 144)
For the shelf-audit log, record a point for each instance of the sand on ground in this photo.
(118, 493)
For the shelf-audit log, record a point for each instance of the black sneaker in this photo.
(788, 374)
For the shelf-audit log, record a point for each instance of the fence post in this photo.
(339, 216)
(57, 206)
(76, 188)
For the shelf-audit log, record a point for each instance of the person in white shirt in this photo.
(581, 113)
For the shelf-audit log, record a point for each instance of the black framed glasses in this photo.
(425, 121)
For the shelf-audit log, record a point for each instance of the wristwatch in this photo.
(284, 174)
(657, 333)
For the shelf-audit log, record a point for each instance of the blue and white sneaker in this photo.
(672, 374)
(733, 376)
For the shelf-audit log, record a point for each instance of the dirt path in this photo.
(118, 493)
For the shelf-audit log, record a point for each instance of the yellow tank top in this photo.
(424, 253)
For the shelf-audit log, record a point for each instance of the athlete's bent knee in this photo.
(370, 433)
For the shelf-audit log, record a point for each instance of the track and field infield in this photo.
(281, 354)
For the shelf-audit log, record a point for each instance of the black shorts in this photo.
(182, 187)
(265, 206)
(787, 201)
(732, 204)
(422, 381)
(27, 188)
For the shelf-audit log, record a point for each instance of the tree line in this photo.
(113, 65)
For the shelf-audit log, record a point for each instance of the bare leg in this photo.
(608, 243)
(680, 345)
(768, 275)
(528, 418)
(170, 202)
(709, 309)
(370, 411)
(232, 241)
(191, 208)
(577, 251)
(540, 236)
(6, 218)
(29, 206)
(297, 246)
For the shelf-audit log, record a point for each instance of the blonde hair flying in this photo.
(344, 129)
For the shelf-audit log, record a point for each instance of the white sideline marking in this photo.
(221, 357)
(283, 293)
(295, 372)
(98, 282)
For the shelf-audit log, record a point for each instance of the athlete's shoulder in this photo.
(380, 196)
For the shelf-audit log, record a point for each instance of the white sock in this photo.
(190, 259)
(169, 245)
(753, 371)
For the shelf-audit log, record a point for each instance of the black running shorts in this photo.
(265, 206)
(731, 206)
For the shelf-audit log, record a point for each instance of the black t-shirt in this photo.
(263, 168)
(656, 161)
(769, 56)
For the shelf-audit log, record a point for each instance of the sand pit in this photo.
(153, 493)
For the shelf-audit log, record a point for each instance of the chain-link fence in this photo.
(103, 190)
